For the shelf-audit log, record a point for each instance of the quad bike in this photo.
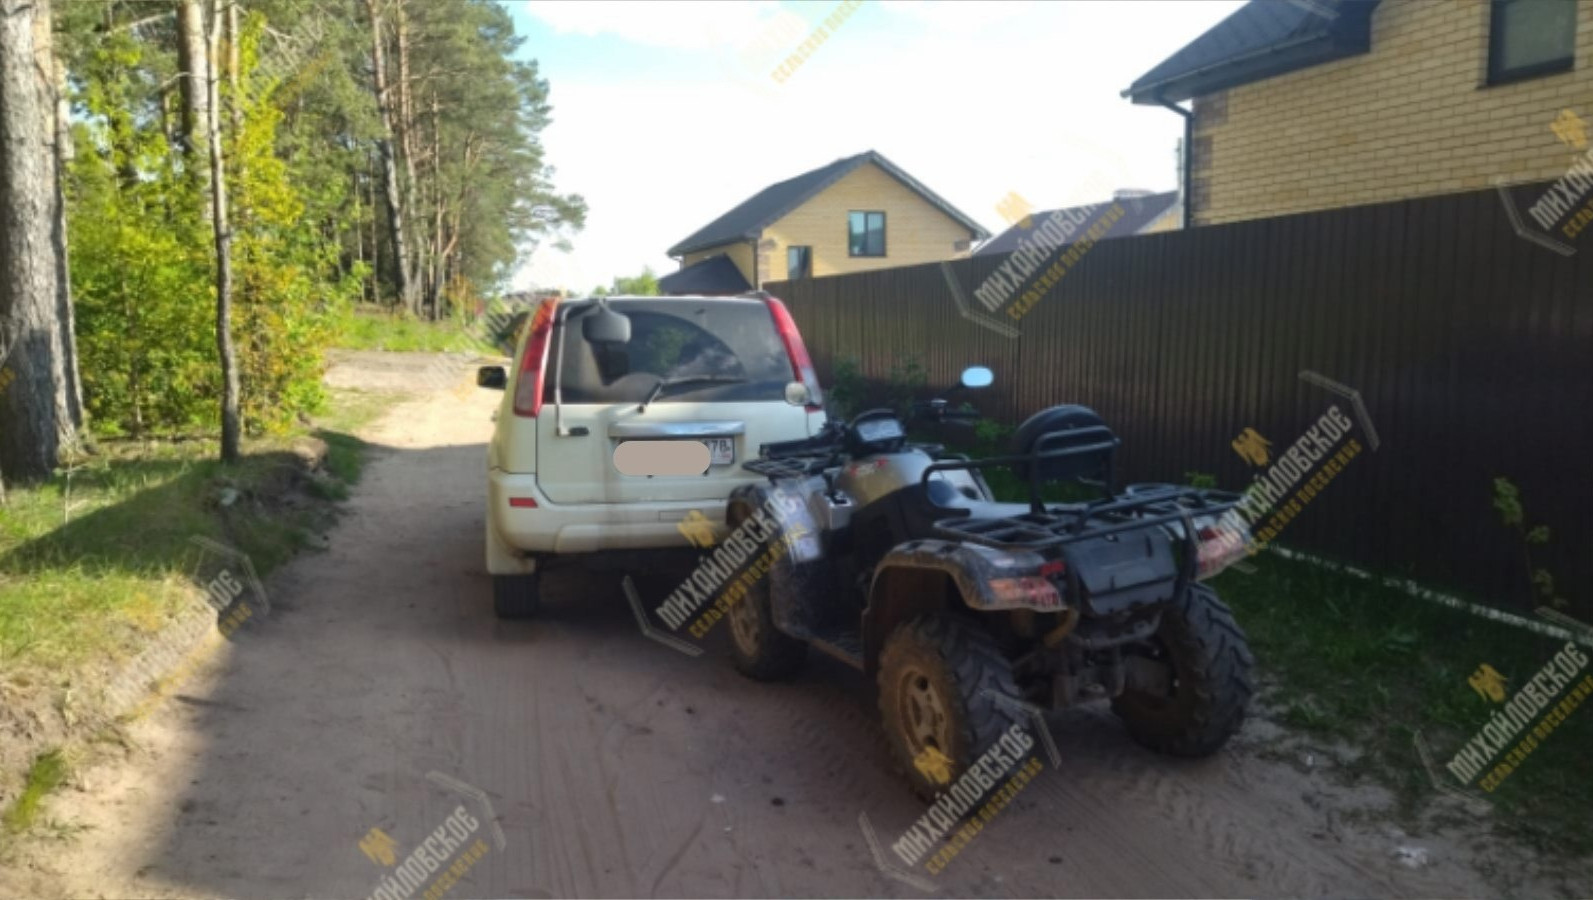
(960, 605)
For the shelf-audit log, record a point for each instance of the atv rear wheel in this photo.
(1205, 663)
(758, 649)
(935, 678)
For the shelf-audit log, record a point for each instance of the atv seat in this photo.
(949, 501)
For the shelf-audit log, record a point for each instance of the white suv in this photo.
(625, 415)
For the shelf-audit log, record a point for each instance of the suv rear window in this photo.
(673, 339)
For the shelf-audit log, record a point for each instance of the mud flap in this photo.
(801, 580)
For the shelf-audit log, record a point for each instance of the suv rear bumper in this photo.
(584, 527)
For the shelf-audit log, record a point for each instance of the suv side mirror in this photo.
(606, 326)
(977, 377)
(494, 377)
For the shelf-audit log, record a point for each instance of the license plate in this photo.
(721, 451)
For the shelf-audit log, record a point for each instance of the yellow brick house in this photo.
(1316, 104)
(857, 213)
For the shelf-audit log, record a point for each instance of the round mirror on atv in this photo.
(796, 394)
(977, 377)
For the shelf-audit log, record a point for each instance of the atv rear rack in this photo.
(1141, 506)
(1138, 506)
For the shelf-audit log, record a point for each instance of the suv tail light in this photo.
(534, 363)
(797, 352)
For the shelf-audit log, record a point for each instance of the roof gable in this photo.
(747, 220)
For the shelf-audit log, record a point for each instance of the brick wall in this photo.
(1413, 117)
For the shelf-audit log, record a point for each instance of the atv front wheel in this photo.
(936, 678)
(758, 649)
(1199, 664)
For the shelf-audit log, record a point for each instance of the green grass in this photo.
(47, 773)
(370, 328)
(93, 561)
(1368, 665)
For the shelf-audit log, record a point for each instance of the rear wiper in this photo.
(688, 379)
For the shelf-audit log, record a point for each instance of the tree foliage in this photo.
(300, 127)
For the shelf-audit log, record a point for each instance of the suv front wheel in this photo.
(516, 596)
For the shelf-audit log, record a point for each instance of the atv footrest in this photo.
(845, 644)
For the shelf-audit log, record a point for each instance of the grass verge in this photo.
(373, 328)
(1367, 665)
(98, 560)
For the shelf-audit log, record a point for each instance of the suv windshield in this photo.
(674, 339)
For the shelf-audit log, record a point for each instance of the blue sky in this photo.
(667, 114)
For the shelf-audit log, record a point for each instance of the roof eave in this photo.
(1279, 59)
(683, 249)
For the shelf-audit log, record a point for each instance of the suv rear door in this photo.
(594, 393)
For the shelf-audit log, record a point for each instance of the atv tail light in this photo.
(797, 352)
(534, 363)
(1220, 546)
(1024, 592)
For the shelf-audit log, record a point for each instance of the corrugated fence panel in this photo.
(1470, 347)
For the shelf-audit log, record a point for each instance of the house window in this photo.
(798, 262)
(865, 233)
(1528, 38)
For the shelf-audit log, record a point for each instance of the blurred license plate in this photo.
(721, 451)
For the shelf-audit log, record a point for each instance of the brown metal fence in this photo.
(1471, 347)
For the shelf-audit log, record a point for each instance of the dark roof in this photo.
(714, 275)
(747, 221)
(1262, 39)
(1137, 213)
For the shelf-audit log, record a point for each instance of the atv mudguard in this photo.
(801, 579)
(986, 580)
(976, 570)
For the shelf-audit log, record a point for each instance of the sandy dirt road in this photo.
(615, 766)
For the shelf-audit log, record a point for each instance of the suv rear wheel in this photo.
(516, 596)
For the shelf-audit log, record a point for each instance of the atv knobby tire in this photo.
(1210, 662)
(941, 671)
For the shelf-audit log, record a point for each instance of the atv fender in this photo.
(921, 577)
(800, 578)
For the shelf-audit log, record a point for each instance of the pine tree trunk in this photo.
(230, 419)
(69, 400)
(32, 430)
(406, 145)
(193, 78)
(384, 146)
